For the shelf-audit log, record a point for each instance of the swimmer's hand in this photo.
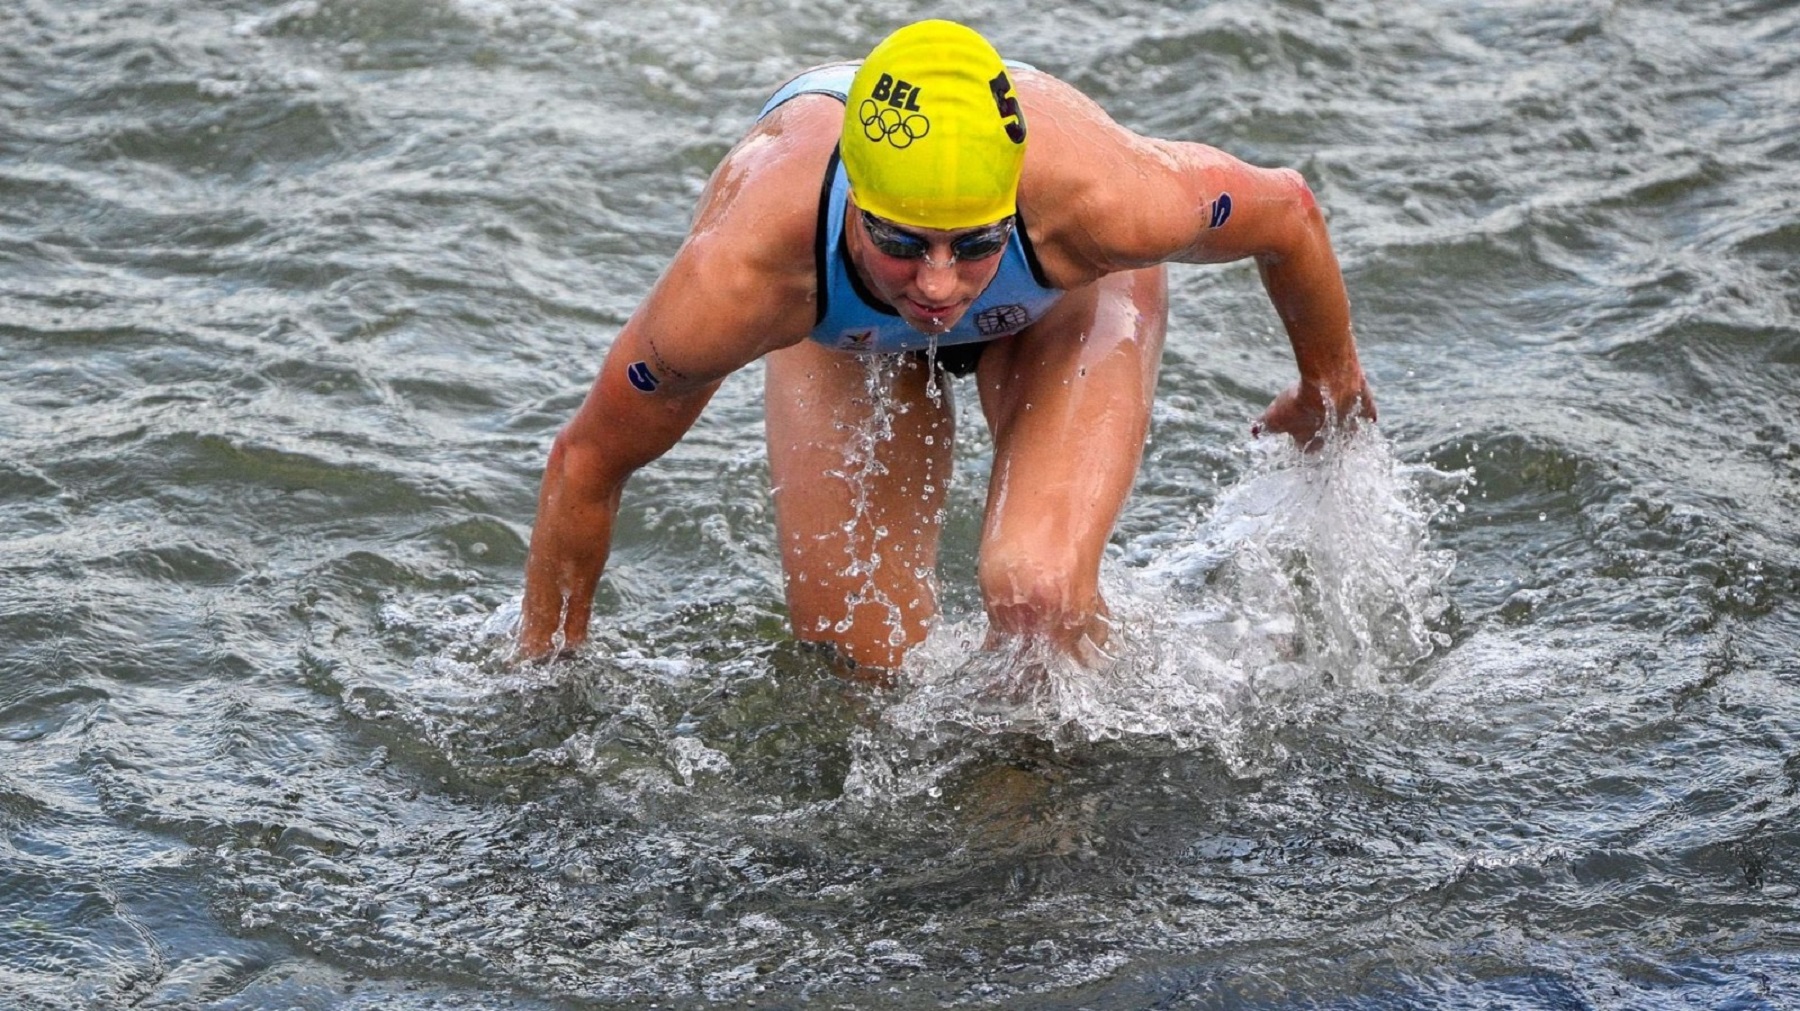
(553, 622)
(537, 654)
(1301, 412)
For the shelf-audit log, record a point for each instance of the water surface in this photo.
(1497, 707)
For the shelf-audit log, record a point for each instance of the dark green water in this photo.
(1498, 709)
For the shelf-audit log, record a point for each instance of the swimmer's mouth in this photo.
(935, 311)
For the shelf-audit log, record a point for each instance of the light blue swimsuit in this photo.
(851, 318)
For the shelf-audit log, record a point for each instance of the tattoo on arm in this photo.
(647, 379)
(1221, 210)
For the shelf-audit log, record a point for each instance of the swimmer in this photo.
(946, 210)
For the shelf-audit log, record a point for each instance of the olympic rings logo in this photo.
(893, 125)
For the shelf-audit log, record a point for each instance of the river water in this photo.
(1495, 706)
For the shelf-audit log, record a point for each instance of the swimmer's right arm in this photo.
(698, 326)
(727, 298)
(619, 428)
(741, 286)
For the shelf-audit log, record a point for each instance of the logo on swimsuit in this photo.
(859, 340)
(1001, 319)
(641, 377)
(885, 113)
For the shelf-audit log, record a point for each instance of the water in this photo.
(1498, 708)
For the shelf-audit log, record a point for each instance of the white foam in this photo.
(1312, 570)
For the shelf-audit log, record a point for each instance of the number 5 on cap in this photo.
(1009, 107)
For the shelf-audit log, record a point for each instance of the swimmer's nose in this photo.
(936, 281)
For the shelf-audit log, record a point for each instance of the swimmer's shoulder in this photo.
(751, 247)
(765, 191)
(1082, 191)
(1072, 157)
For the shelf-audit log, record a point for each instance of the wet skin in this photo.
(1067, 399)
(931, 293)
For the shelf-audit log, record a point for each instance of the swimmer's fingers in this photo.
(1300, 413)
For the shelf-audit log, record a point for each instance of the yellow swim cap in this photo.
(933, 133)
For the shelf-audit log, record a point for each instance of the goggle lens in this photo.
(901, 244)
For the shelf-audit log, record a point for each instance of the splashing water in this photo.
(862, 463)
(1314, 569)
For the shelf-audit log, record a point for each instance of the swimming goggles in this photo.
(897, 242)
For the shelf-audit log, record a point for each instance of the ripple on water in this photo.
(1573, 538)
(274, 271)
(680, 816)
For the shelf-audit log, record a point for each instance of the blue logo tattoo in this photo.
(641, 377)
(1221, 210)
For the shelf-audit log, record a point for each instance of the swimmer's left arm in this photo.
(1226, 209)
(1107, 199)
(1279, 223)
